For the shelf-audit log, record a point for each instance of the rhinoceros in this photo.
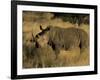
(64, 38)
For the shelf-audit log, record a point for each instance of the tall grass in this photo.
(45, 57)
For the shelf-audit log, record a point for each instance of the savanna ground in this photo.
(31, 24)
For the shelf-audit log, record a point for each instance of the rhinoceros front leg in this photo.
(57, 49)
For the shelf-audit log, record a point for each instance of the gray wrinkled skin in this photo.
(61, 38)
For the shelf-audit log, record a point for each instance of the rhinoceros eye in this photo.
(37, 36)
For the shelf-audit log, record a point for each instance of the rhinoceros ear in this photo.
(41, 28)
(46, 29)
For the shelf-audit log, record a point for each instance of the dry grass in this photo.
(69, 57)
(65, 58)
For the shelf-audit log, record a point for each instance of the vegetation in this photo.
(45, 57)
